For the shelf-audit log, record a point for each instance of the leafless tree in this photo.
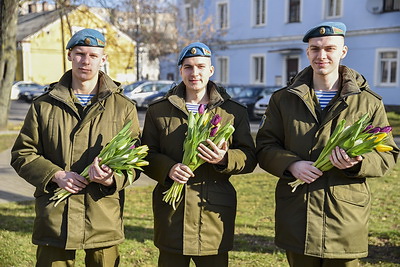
(8, 61)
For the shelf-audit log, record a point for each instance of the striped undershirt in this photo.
(192, 107)
(84, 98)
(324, 97)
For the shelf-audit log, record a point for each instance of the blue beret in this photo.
(194, 50)
(326, 29)
(87, 37)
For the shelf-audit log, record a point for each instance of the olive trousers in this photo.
(300, 260)
(167, 259)
(58, 257)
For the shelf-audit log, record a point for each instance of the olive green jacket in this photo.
(59, 134)
(329, 217)
(203, 223)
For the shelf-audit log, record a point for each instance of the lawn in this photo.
(254, 224)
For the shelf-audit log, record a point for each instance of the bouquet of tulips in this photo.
(120, 154)
(356, 140)
(200, 128)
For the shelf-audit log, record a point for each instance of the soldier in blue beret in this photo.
(201, 228)
(324, 220)
(326, 29)
(87, 37)
(63, 133)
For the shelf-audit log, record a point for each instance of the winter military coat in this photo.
(329, 217)
(60, 134)
(203, 223)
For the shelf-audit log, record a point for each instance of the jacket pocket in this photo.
(221, 194)
(357, 193)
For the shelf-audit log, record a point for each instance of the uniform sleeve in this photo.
(159, 163)
(241, 153)
(271, 154)
(27, 155)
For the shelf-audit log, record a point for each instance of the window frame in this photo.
(288, 10)
(221, 23)
(328, 9)
(255, 13)
(255, 77)
(393, 4)
(379, 60)
(189, 9)
(221, 73)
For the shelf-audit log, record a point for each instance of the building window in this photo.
(388, 63)
(222, 18)
(259, 12)
(391, 5)
(223, 72)
(333, 8)
(189, 13)
(258, 68)
(294, 11)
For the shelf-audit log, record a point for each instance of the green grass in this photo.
(254, 226)
(394, 121)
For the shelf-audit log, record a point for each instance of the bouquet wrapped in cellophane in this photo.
(120, 154)
(200, 128)
(357, 139)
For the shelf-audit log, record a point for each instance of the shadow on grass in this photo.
(383, 254)
(254, 243)
(18, 219)
(139, 234)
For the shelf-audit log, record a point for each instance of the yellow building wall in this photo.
(44, 63)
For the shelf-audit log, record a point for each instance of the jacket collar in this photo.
(352, 82)
(62, 88)
(177, 96)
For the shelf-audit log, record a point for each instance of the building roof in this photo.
(31, 23)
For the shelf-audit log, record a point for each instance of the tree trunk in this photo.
(8, 56)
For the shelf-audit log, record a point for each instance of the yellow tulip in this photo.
(383, 148)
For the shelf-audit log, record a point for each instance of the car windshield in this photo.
(132, 86)
(251, 92)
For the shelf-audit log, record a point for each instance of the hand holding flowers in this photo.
(120, 154)
(204, 134)
(354, 140)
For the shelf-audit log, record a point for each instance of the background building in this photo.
(260, 41)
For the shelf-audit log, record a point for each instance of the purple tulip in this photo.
(202, 108)
(213, 131)
(216, 119)
(386, 129)
(132, 147)
(369, 127)
(374, 130)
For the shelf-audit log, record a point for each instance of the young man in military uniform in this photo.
(202, 227)
(64, 131)
(325, 221)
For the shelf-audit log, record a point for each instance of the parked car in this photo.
(261, 105)
(30, 94)
(250, 95)
(154, 97)
(140, 90)
(20, 87)
(234, 90)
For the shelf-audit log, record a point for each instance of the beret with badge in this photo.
(326, 29)
(87, 37)
(194, 50)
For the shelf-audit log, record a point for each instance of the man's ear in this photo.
(103, 60)
(344, 51)
(211, 70)
(69, 55)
